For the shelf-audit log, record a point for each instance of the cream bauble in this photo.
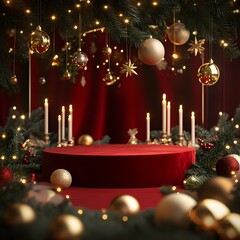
(174, 209)
(151, 51)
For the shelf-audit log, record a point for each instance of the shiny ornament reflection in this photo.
(39, 41)
(80, 59)
(107, 51)
(42, 80)
(13, 80)
(208, 73)
(66, 76)
(109, 79)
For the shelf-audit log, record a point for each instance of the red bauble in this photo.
(6, 176)
(227, 166)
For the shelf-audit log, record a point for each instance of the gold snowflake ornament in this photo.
(196, 46)
(128, 68)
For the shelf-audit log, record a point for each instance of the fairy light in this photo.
(126, 21)
(175, 56)
(121, 51)
(173, 69)
(105, 7)
(227, 147)
(174, 188)
(120, 15)
(14, 108)
(22, 117)
(58, 189)
(139, 4)
(21, 32)
(236, 126)
(104, 217)
(14, 157)
(53, 17)
(97, 66)
(117, 64)
(194, 33)
(75, 27)
(235, 142)
(216, 129)
(18, 129)
(14, 116)
(125, 218)
(184, 182)
(23, 180)
(69, 10)
(27, 11)
(88, 1)
(97, 22)
(2, 157)
(220, 113)
(78, 5)
(154, 3)
(4, 136)
(80, 211)
(67, 197)
(184, 67)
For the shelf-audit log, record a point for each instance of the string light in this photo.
(154, 3)
(236, 126)
(2, 157)
(58, 189)
(22, 117)
(67, 197)
(27, 11)
(4, 135)
(125, 218)
(227, 147)
(14, 157)
(216, 129)
(104, 217)
(105, 7)
(80, 211)
(53, 17)
(14, 116)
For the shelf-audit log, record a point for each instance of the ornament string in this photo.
(29, 83)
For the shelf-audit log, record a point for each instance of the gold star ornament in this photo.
(128, 68)
(196, 46)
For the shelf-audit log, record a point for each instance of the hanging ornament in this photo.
(66, 76)
(151, 51)
(196, 46)
(83, 81)
(39, 41)
(42, 80)
(178, 34)
(208, 73)
(55, 61)
(128, 68)
(13, 80)
(107, 51)
(109, 79)
(80, 59)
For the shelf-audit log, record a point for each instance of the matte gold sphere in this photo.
(107, 51)
(85, 139)
(66, 227)
(125, 205)
(39, 41)
(178, 34)
(174, 208)
(18, 214)
(61, 178)
(207, 213)
(208, 73)
(151, 51)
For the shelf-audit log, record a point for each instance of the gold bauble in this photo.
(80, 59)
(66, 76)
(218, 188)
(42, 80)
(208, 73)
(207, 213)
(178, 34)
(125, 205)
(109, 79)
(85, 139)
(107, 51)
(13, 80)
(61, 178)
(39, 41)
(151, 51)
(174, 208)
(229, 227)
(18, 214)
(66, 227)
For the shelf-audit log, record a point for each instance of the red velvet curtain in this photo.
(101, 110)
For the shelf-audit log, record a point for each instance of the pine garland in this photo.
(196, 16)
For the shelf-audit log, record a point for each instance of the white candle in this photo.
(180, 120)
(193, 128)
(46, 116)
(71, 114)
(59, 129)
(164, 114)
(148, 127)
(69, 128)
(63, 123)
(168, 119)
